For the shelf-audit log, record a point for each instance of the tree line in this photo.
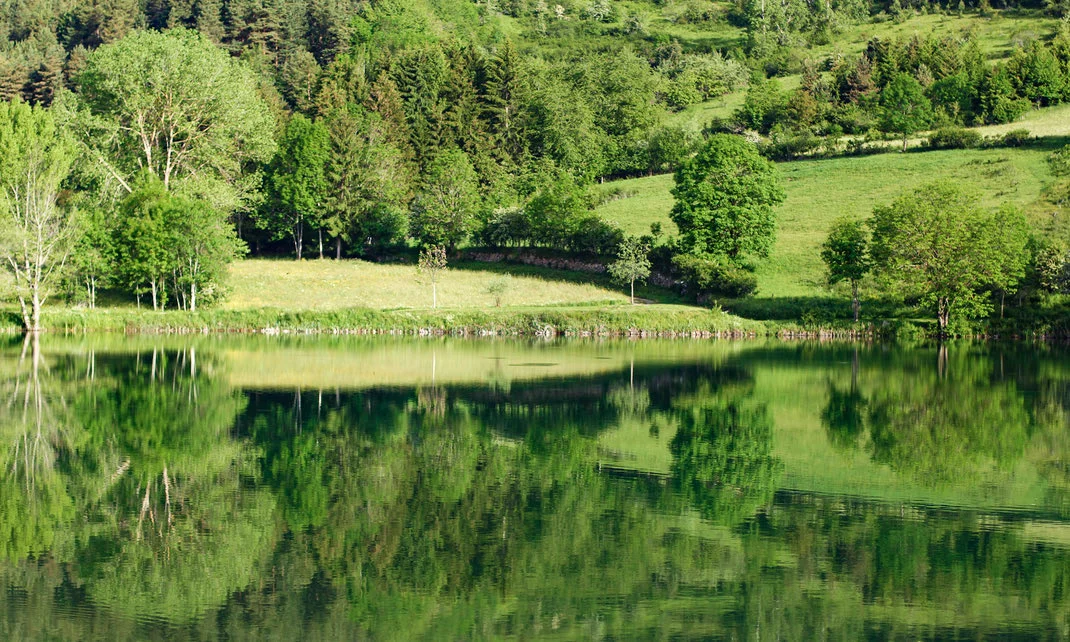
(901, 87)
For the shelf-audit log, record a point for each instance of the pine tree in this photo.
(209, 19)
(502, 97)
(47, 78)
(384, 98)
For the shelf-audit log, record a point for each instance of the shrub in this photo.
(954, 138)
(595, 236)
(716, 276)
(1016, 138)
(506, 226)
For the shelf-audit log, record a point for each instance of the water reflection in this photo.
(148, 487)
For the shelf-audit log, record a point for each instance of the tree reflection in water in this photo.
(141, 490)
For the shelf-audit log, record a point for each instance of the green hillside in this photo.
(820, 191)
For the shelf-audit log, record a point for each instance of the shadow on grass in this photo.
(807, 310)
(651, 292)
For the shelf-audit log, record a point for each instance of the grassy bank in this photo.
(610, 320)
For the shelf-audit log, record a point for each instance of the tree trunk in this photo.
(633, 291)
(943, 315)
(35, 321)
(338, 248)
(321, 244)
(299, 239)
(855, 304)
(904, 142)
(154, 307)
(193, 296)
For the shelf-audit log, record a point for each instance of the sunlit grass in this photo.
(820, 191)
(334, 285)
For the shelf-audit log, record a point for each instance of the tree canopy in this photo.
(725, 200)
(937, 243)
(175, 105)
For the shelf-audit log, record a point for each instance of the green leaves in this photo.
(845, 251)
(937, 243)
(297, 184)
(724, 200)
(36, 230)
(444, 212)
(179, 107)
(904, 107)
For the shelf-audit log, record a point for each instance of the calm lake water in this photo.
(285, 488)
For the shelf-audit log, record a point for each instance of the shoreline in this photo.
(613, 321)
(656, 321)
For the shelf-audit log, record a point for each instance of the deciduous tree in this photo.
(904, 107)
(632, 264)
(935, 242)
(37, 230)
(725, 197)
(432, 263)
(846, 255)
(445, 208)
(297, 181)
(177, 106)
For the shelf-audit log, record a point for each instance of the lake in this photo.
(343, 488)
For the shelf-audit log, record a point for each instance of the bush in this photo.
(954, 138)
(506, 226)
(785, 144)
(717, 276)
(1016, 138)
(595, 236)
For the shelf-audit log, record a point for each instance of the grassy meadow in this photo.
(820, 191)
(319, 285)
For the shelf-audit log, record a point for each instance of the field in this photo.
(818, 192)
(320, 285)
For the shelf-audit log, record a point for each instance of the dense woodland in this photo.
(205, 130)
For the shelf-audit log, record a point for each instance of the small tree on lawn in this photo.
(846, 254)
(725, 197)
(432, 263)
(497, 289)
(632, 264)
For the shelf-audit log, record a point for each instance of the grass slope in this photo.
(820, 191)
(334, 285)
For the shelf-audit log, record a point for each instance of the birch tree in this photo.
(178, 107)
(37, 230)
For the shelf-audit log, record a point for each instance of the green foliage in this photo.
(763, 107)
(724, 200)
(954, 138)
(431, 264)
(846, 255)
(904, 107)
(297, 184)
(177, 106)
(497, 287)
(37, 230)
(368, 182)
(446, 206)
(632, 264)
(705, 277)
(937, 243)
(168, 243)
